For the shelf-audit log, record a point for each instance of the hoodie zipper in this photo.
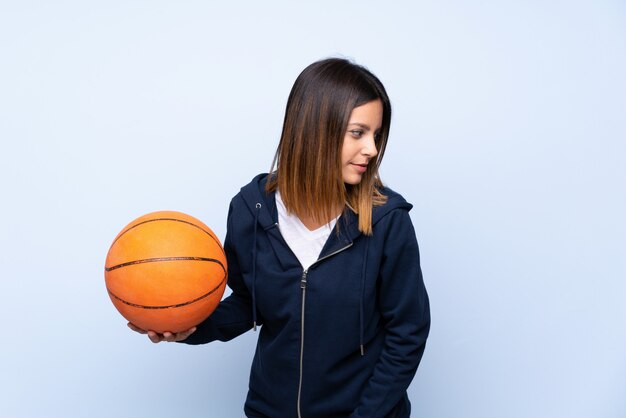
(303, 287)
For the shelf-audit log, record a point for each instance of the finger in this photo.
(168, 336)
(154, 337)
(136, 328)
(183, 335)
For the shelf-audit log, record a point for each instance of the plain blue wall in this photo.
(508, 136)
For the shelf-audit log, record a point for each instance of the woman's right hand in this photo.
(155, 337)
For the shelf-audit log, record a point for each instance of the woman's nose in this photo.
(369, 147)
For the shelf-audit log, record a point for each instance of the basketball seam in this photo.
(157, 259)
(178, 305)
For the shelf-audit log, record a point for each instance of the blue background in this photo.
(507, 135)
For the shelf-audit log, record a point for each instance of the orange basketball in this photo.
(166, 271)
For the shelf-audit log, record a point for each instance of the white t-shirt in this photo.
(305, 244)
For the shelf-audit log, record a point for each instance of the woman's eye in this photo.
(356, 133)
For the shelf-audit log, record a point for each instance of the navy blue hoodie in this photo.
(341, 339)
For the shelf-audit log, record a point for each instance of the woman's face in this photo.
(359, 146)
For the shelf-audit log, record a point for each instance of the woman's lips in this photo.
(361, 168)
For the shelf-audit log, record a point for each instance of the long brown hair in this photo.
(308, 159)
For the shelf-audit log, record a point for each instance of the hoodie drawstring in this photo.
(367, 244)
(256, 226)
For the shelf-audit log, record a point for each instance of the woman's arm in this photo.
(405, 313)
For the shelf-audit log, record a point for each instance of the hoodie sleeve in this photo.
(405, 314)
(233, 315)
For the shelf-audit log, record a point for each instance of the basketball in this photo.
(166, 271)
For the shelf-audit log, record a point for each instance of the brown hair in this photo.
(308, 159)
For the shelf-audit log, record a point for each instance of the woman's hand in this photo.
(166, 336)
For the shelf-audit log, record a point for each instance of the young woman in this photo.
(325, 258)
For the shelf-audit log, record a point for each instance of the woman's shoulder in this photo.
(257, 181)
(252, 201)
(254, 189)
(393, 216)
(393, 201)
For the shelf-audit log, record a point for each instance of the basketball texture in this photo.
(166, 271)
